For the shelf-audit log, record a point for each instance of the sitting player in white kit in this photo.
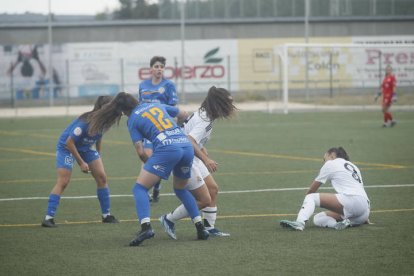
(349, 206)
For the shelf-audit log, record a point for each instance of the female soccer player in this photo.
(388, 96)
(75, 143)
(217, 105)
(350, 205)
(157, 89)
(173, 152)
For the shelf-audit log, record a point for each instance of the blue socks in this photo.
(189, 202)
(52, 205)
(142, 204)
(104, 201)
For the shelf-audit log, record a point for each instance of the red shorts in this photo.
(387, 101)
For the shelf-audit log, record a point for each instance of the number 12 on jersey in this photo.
(156, 116)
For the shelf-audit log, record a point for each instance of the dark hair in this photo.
(154, 59)
(339, 152)
(218, 104)
(100, 101)
(102, 119)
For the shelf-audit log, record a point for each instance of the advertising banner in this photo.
(206, 63)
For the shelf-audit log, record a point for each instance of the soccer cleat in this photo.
(296, 225)
(109, 219)
(169, 227)
(217, 233)
(341, 225)
(393, 123)
(202, 233)
(50, 223)
(142, 236)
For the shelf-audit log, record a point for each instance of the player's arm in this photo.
(171, 93)
(313, 187)
(70, 144)
(181, 116)
(394, 91)
(178, 113)
(139, 148)
(202, 155)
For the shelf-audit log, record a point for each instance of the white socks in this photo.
(210, 215)
(179, 213)
(308, 207)
(323, 220)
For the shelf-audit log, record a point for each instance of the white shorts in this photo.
(199, 171)
(356, 208)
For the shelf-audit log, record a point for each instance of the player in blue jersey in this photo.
(172, 152)
(157, 89)
(76, 144)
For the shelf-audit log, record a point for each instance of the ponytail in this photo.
(100, 101)
(111, 113)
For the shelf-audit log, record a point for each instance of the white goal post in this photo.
(348, 68)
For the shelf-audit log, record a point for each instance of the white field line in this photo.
(221, 192)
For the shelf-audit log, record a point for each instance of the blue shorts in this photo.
(176, 159)
(65, 159)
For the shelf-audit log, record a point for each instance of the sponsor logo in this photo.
(404, 56)
(88, 141)
(69, 160)
(161, 136)
(185, 169)
(91, 72)
(211, 69)
(173, 132)
(171, 141)
(77, 131)
(158, 168)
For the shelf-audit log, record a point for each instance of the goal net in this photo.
(342, 74)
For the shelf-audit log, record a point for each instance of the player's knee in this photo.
(101, 180)
(204, 202)
(319, 218)
(213, 190)
(323, 220)
(314, 197)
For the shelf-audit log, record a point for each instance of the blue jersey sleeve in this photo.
(171, 91)
(172, 110)
(134, 132)
(78, 130)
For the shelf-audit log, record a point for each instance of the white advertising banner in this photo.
(400, 58)
(94, 69)
(206, 63)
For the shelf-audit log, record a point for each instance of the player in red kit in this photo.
(388, 95)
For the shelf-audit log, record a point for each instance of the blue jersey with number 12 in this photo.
(153, 121)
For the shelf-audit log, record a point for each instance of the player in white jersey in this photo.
(350, 205)
(217, 105)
